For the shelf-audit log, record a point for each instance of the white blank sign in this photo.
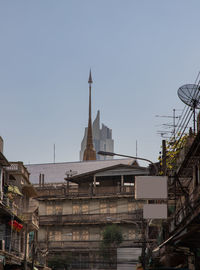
(150, 187)
(155, 211)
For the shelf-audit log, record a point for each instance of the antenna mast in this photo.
(174, 125)
(54, 153)
(136, 148)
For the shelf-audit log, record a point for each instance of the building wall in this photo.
(89, 206)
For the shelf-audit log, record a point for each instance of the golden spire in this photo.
(89, 153)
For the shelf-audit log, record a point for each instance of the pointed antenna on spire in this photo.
(90, 77)
(89, 153)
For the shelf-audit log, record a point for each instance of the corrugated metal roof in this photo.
(56, 172)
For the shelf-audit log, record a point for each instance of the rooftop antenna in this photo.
(54, 153)
(190, 95)
(173, 132)
(136, 148)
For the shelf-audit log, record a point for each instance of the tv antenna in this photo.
(190, 95)
(174, 125)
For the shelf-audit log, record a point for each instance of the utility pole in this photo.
(164, 157)
(143, 255)
(33, 251)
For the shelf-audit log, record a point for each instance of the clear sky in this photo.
(140, 53)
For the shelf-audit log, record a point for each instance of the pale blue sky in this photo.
(140, 52)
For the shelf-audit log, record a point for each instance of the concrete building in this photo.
(178, 242)
(18, 216)
(74, 212)
(102, 139)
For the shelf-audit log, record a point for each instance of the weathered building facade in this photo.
(72, 215)
(179, 239)
(18, 216)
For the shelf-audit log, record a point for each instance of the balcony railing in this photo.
(75, 191)
(186, 210)
(91, 218)
(11, 206)
(19, 168)
(88, 244)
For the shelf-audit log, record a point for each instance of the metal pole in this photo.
(174, 124)
(143, 255)
(127, 156)
(25, 251)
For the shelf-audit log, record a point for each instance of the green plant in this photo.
(112, 238)
(60, 262)
(173, 149)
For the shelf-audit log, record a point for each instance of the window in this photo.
(57, 235)
(51, 236)
(113, 208)
(131, 207)
(49, 210)
(139, 205)
(75, 236)
(84, 209)
(103, 208)
(76, 209)
(58, 210)
(100, 235)
(85, 235)
(131, 234)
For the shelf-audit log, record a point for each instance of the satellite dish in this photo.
(190, 95)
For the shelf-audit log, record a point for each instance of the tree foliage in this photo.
(112, 235)
(173, 149)
(60, 262)
(112, 238)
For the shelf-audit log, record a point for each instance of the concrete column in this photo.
(122, 183)
(67, 187)
(94, 184)
(40, 180)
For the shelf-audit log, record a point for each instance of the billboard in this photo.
(155, 211)
(150, 187)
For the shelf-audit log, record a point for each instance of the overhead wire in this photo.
(185, 117)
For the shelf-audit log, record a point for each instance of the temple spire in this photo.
(89, 153)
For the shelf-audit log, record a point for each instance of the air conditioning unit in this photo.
(2, 245)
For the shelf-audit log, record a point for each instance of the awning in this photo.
(15, 190)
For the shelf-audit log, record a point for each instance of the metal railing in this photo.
(91, 218)
(72, 191)
(18, 167)
(187, 209)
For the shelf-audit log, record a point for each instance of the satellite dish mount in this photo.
(190, 95)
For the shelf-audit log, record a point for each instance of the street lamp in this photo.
(104, 153)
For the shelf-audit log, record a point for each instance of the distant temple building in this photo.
(102, 139)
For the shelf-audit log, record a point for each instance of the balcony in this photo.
(83, 245)
(90, 218)
(11, 207)
(189, 210)
(18, 168)
(32, 220)
(75, 191)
